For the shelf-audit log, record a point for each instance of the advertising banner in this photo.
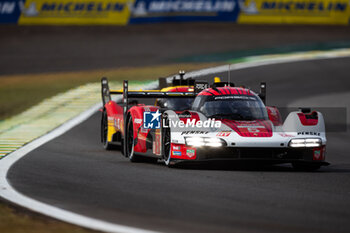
(294, 11)
(122, 12)
(183, 10)
(61, 12)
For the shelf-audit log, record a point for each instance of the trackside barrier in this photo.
(123, 12)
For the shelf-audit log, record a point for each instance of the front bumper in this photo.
(268, 155)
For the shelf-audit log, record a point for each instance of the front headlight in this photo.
(194, 141)
(305, 142)
(200, 141)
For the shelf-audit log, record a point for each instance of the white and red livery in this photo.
(202, 123)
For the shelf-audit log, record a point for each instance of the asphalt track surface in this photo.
(73, 172)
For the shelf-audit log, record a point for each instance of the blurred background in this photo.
(48, 47)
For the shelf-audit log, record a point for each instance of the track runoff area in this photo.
(9, 193)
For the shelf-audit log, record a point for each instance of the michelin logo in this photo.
(142, 8)
(29, 11)
(250, 7)
(52, 7)
(151, 120)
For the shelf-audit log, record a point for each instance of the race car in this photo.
(224, 122)
(112, 112)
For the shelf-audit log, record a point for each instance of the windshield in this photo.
(175, 104)
(244, 108)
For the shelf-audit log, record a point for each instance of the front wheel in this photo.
(166, 144)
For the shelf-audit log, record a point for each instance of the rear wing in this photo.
(151, 94)
(126, 93)
(181, 81)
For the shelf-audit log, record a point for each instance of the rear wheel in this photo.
(130, 142)
(305, 167)
(104, 132)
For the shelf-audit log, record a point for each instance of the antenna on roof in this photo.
(181, 74)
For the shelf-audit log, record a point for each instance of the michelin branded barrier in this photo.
(122, 12)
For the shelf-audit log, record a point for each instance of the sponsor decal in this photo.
(223, 134)
(184, 115)
(151, 120)
(138, 121)
(190, 152)
(176, 153)
(176, 148)
(285, 135)
(117, 123)
(194, 132)
(317, 155)
(147, 109)
(157, 143)
(241, 97)
(252, 128)
(143, 130)
(200, 86)
(309, 133)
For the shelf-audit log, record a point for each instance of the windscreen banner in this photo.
(123, 12)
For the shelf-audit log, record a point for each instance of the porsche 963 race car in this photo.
(192, 121)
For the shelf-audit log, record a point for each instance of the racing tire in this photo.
(305, 167)
(130, 142)
(167, 144)
(104, 132)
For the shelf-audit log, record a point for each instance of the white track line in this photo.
(10, 194)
